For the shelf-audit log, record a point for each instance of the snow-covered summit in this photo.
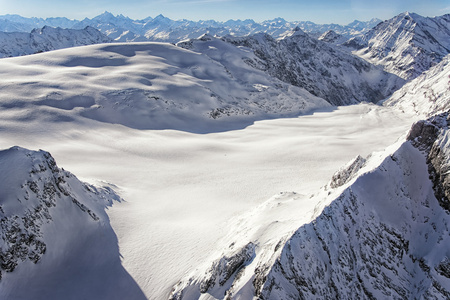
(407, 44)
(332, 37)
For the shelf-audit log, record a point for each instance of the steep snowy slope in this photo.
(46, 39)
(407, 44)
(426, 95)
(380, 231)
(323, 70)
(139, 85)
(56, 241)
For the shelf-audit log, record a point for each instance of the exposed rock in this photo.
(28, 206)
(323, 70)
(432, 137)
(346, 173)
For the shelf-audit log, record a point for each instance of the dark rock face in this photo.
(24, 212)
(345, 175)
(222, 273)
(429, 136)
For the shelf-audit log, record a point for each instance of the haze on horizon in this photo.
(321, 11)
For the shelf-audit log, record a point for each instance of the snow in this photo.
(47, 208)
(407, 44)
(183, 188)
(160, 28)
(46, 39)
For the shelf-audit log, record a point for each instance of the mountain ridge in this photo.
(48, 38)
(176, 30)
(358, 243)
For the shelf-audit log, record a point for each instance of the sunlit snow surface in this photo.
(182, 189)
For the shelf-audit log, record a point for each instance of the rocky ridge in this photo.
(31, 193)
(405, 45)
(321, 69)
(383, 233)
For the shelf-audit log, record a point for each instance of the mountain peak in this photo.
(106, 14)
(160, 17)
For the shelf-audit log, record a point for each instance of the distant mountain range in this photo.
(46, 39)
(160, 28)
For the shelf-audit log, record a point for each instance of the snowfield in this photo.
(191, 144)
(181, 189)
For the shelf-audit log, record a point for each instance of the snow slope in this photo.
(383, 232)
(407, 44)
(56, 240)
(139, 86)
(428, 94)
(46, 39)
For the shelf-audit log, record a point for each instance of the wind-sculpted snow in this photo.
(46, 39)
(323, 70)
(384, 233)
(150, 86)
(407, 44)
(53, 229)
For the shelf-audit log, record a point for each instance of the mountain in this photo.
(321, 69)
(355, 28)
(379, 230)
(162, 29)
(115, 27)
(407, 44)
(332, 37)
(47, 39)
(426, 95)
(55, 240)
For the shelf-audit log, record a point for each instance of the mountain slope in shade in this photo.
(426, 95)
(407, 44)
(323, 70)
(380, 229)
(56, 241)
(46, 39)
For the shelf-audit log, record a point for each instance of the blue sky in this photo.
(318, 11)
